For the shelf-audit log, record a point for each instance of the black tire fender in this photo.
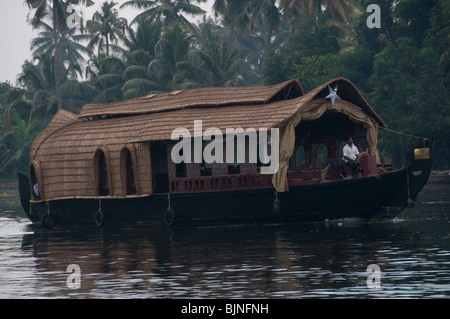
(168, 217)
(99, 218)
(48, 221)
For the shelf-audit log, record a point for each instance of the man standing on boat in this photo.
(349, 155)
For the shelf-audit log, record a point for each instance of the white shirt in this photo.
(350, 152)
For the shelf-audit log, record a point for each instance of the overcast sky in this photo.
(16, 34)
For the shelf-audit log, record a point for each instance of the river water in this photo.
(408, 257)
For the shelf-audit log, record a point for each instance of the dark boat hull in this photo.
(364, 198)
(381, 196)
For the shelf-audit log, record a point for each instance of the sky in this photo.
(16, 34)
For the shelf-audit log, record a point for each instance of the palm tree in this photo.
(104, 74)
(139, 50)
(59, 15)
(211, 66)
(339, 9)
(15, 144)
(208, 31)
(12, 98)
(137, 82)
(39, 82)
(266, 15)
(139, 43)
(251, 26)
(169, 11)
(170, 50)
(105, 26)
(69, 43)
(235, 16)
(16, 134)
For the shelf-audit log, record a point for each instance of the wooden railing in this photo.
(220, 183)
(307, 175)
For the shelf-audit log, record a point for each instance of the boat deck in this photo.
(303, 175)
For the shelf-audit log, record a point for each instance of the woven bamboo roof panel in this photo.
(61, 119)
(201, 97)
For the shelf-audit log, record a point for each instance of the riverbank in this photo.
(440, 176)
(9, 189)
(4, 186)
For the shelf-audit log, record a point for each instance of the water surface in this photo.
(311, 260)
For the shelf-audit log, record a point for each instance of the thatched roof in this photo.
(64, 151)
(201, 97)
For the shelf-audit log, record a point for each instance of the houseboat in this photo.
(114, 163)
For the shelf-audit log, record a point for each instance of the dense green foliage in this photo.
(402, 68)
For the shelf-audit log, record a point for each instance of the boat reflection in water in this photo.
(278, 260)
(326, 259)
(300, 260)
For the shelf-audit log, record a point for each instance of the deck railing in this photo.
(219, 183)
(307, 175)
(296, 176)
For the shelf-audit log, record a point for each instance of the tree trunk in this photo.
(266, 48)
(230, 39)
(107, 45)
(56, 55)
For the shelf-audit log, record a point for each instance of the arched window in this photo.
(102, 172)
(128, 172)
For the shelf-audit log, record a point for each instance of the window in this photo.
(103, 186)
(128, 172)
(101, 174)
